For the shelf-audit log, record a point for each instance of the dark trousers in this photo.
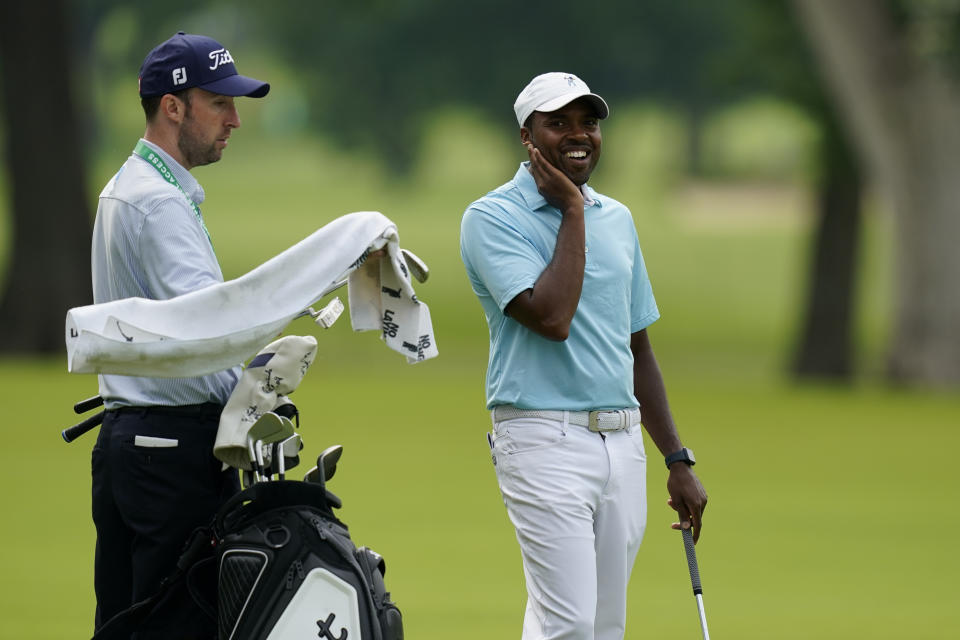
(147, 499)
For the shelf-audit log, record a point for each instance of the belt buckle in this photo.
(593, 421)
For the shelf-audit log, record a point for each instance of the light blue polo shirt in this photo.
(507, 239)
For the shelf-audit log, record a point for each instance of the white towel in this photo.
(384, 299)
(222, 325)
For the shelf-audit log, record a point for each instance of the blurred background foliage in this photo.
(717, 93)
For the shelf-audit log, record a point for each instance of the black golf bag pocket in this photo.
(375, 568)
(289, 570)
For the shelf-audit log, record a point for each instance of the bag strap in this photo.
(126, 622)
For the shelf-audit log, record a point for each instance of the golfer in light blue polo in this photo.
(558, 270)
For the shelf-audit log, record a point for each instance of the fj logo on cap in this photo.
(570, 80)
(179, 76)
(219, 57)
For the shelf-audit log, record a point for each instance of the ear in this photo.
(524, 135)
(173, 107)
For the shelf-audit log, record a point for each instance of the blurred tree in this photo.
(825, 346)
(49, 269)
(887, 67)
(773, 52)
(49, 134)
(377, 71)
(397, 63)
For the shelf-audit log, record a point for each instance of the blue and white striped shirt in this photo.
(148, 243)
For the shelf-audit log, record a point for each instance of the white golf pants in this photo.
(578, 502)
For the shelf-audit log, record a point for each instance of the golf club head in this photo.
(327, 461)
(292, 446)
(270, 429)
(267, 427)
(326, 465)
(418, 268)
(313, 475)
(316, 476)
(288, 428)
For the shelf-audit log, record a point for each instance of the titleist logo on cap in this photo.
(186, 61)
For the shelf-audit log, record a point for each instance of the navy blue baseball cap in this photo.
(186, 60)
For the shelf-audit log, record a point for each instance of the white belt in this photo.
(613, 420)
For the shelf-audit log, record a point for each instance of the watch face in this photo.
(688, 455)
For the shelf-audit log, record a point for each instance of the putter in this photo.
(695, 579)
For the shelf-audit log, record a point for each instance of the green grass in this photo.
(829, 513)
(830, 507)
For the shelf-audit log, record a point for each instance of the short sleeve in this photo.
(643, 306)
(501, 262)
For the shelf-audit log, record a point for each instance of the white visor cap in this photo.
(550, 91)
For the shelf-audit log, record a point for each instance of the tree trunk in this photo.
(901, 111)
(826, 346)
(48, 257)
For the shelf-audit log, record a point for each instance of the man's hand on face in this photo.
(555, 187)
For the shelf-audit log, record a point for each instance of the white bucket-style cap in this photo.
(550, 91)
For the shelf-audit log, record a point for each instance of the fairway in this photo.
(801, 539)
(830, 507)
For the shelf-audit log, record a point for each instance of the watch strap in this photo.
(683, 455)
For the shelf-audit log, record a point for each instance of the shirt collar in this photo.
(528, 189)
(187, 182)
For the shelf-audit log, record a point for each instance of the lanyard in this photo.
(150, 156)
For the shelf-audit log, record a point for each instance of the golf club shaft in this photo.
(703, 617)
(72, 433)
(695, 579)
(86, 405)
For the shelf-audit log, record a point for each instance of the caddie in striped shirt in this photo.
(154, 475)
(558, 271)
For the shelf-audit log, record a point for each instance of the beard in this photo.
(196, 151)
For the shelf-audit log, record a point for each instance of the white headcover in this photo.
(269, 377)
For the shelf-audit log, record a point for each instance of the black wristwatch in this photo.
(684, 455)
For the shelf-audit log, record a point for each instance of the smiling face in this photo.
(208, 120)
(569, 138)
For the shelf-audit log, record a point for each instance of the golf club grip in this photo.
(85, 405)
(692, 561)
(72, 433)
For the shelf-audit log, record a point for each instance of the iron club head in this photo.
(418, 268)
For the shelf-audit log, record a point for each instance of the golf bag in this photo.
(276, 564)
(289, 570)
